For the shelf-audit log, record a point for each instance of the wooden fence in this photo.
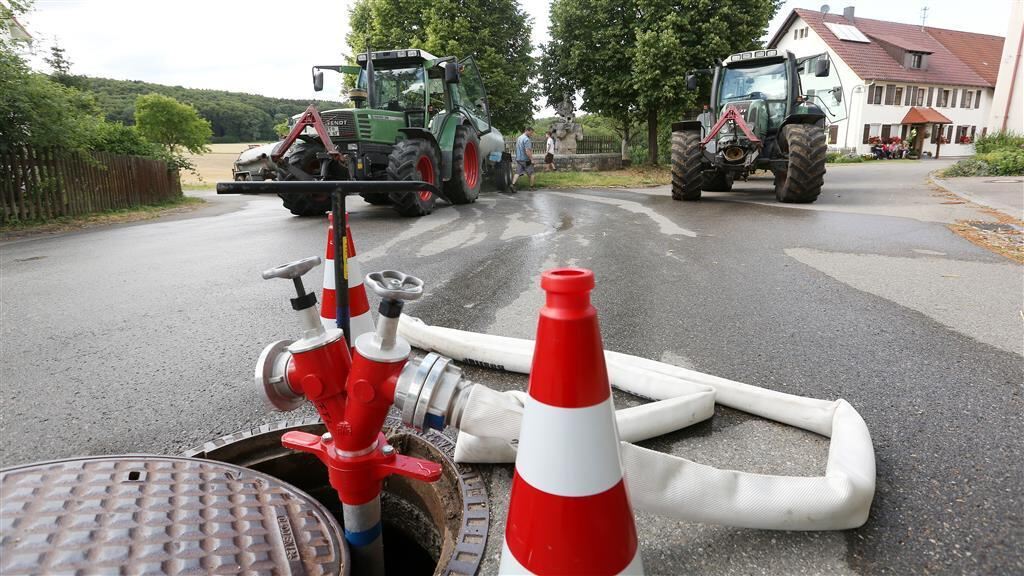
(37, 185)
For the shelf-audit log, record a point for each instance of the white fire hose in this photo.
(668, 485)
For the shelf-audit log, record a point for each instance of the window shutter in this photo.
(984, 130)
(931, 91)
(903, 132)
(977, 99)
(833, 133)
(867, 133)
(973, 130)
(956, 92)
(935, 133)
(949, 133)
(889, 93)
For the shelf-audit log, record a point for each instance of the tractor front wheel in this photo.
(464, 186)
(687, 176)
(414, 159)
(303, 159)
(802, 181)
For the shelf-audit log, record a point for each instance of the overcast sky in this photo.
(259, 46)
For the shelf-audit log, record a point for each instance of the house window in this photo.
(890, 90)
(916, 60)
(919, 101)
(949, 133)
(943, 100)
(966, 102)
(961, 134)
(872, 131)
(899, 96)
(875, 95)
(796, 34)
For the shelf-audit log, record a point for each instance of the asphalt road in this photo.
(141, 338)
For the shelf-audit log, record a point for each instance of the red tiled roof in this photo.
(925, 115)
(979, 51)
(946, 65)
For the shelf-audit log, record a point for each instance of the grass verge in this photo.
(69, 223)
(634, 177)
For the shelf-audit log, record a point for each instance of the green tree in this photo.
(37, 111)
(171, 124)
(496, 33)
(590, 53)
(629, 58)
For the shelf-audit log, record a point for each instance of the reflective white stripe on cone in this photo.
(360, 319)
(569, 512)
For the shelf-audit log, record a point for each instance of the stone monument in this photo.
(566, 130)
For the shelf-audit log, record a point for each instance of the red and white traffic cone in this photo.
(360, 320)
(569, 512)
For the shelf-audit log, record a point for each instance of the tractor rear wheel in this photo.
(802, 181)
(303, 158)
(414, 159)
(687, 176)
(464, 186)
(719, 182)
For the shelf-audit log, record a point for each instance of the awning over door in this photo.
(925, 115)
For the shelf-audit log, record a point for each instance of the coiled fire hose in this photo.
(668, 485)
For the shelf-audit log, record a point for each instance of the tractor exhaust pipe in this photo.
(370, 88)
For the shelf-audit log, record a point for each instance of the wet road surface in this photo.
(142, 338)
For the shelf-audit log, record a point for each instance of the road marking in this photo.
(665, 225)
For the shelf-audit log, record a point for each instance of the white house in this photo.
(901, 79)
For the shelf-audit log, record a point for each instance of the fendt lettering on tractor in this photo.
(768, 111)
(415, 117)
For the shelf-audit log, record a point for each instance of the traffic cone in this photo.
(360, 320)
(569, 512)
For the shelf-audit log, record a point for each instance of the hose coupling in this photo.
(431, 393)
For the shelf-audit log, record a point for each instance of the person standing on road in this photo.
(549, 151)
(524, 157)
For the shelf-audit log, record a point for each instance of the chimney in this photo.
(848, 13)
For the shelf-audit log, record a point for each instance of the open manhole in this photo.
(141, 514)
(437, 528)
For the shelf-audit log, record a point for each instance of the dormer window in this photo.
(916, 60)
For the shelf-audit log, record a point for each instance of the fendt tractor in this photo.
(415, 117)
(768, 111)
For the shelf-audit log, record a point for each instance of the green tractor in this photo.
(768, 111)
(415, 117)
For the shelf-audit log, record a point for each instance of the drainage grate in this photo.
(160, 515)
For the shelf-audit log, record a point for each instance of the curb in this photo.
(948, 186)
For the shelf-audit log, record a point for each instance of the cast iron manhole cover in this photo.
(160, 515)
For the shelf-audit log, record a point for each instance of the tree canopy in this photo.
(629, 58)
(233, 116)
(165, 121)
(496, 33)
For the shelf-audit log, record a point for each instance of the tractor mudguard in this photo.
(686, 126)
(810, 117)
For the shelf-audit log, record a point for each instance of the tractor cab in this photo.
(759, 85)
